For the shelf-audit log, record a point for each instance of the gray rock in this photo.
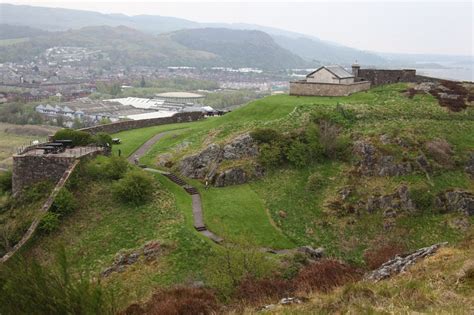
(372, 163)
(233, 176)
(423, 163)
(241, 147)
(204, 164)
(400, 200)
(313, 253)
(456, 200)
(401, 263)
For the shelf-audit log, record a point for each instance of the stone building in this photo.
(328, 81)
(383, 76)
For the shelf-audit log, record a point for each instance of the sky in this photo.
(435, 27)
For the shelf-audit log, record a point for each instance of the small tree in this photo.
(136, 187)
(64, 203)
(103, 139)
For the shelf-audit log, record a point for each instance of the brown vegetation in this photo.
(256, 290)
(376, 256)
(326, 275)
(440, 150)
(452, 96)
(177, 301)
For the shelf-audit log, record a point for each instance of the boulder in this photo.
(401, 263)
(400, 200)
(373, 163)
(312, 253)
(456, 201)
(233, 176)
(205, 164)
(241, 147)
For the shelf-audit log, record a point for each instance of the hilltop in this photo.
(126, 46)
(364, 177)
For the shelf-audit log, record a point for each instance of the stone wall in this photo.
(136, 124)
(385, 76)
(31, 169)
(302, 88)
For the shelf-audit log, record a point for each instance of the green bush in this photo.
(315, 182)
(106, 168)
(116, 167)
(49, 222)
(28, 287)
(270, 156)
(422, 199)
(6, 181)
(64, 203)
(136, 187)
(102, 139)
(265, 135)
(37, 191)
(78, 137)
(229, 266)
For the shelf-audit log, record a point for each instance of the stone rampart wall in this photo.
(386, 76)
(136, 124)
(302, 88)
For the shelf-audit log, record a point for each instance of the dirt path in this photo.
(145, 147)
(198, 216)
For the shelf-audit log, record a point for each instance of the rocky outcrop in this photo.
(401, 263)
(456, 201)
(391, 204)
(149, 252)
(373, 163)
(205, 165)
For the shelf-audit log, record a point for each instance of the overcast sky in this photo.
(409, 27)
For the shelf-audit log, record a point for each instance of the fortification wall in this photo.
(135, 124)
(385, 76)
(301, 88)
(31, 169)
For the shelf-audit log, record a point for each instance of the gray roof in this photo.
(338, 71)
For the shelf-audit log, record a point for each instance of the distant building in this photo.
(330, 74)
(328, 81)
(180, 97)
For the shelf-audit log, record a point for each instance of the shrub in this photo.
(377, 256)
(440, 150)
(6, 181)
(298, 154)
(422, 199)
(258, 290)
(314, 182)
(325, 275)
(27, 287)
(64, 203)
(78, 137)
(136, 187)
(49, 222)
(116, 167)
(37, 191)
(102, 139)
(180, 300)
(270, 155)
(265, 135)
(107, 168)
(329, 138)
(235, 263)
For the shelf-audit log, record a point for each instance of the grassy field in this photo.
(235, 212)
(12, 41)
(15, 136)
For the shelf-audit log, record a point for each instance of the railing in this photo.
(30, 146)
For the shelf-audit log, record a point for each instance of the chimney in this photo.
(355, 69)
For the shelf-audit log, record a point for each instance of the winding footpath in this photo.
(198, 216)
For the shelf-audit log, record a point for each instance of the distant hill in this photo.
(305, 46)
(241, 48)
(196, 47)
(13, 31)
